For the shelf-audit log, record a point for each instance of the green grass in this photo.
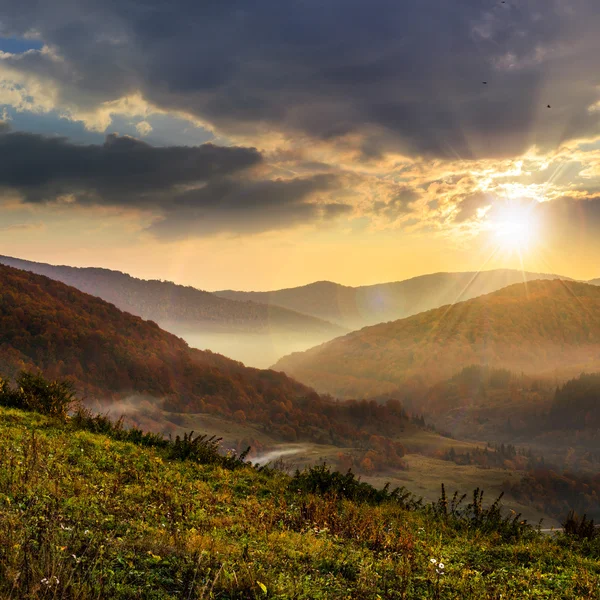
(85, 516)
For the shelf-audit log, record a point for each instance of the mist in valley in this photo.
(259, 350)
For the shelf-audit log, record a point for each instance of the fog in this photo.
(254, 350)
(280, 452)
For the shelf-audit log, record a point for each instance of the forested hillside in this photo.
(110, 354)
(356, 307)
(550, 327)
(183, 306)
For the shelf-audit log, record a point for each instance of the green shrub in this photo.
(34, 392)
(322, 481)
(490, 519)
(581, 528)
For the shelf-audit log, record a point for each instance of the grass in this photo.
(422, 478)
(84, 516)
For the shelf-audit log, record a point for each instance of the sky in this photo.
(227, 144)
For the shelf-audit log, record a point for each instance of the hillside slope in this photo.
(166, 302)
(86, 516)
(550, 327)
(253, 333)
(356, 307)
(110, 353)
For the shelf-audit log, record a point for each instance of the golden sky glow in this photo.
(357, 151)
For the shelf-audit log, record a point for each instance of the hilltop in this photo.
(356, 307)
(550, 327)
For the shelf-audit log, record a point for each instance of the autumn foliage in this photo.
(108, 354)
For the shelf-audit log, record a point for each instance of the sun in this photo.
(515, 227)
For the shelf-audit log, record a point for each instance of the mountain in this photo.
(356, 307)
(594, 281)
(47, 324)
(112, 355)
(544, 327)
(255, 333)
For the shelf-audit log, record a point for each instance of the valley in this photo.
(433, 419)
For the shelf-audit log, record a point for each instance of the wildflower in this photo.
(441, 566)
(433, 561)
(50, 581)
(77, 560)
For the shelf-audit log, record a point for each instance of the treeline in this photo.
(558, 493)
(504, 456)
(165, 301)
(576, 404)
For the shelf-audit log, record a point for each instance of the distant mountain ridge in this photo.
(113, 356)
(356, 307)
(107, 352)
(164, 302)
(550, 327)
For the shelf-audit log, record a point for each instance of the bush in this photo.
(322, 481)
(475, 516)
(580, 527)
(34, 392)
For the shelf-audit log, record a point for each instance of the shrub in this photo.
(34, 392)
(580, 527)
(475, 516)
(322, 481)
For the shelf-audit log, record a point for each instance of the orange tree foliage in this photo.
(110, 354)
(164, 301)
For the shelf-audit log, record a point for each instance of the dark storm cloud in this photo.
(121, 171)
(248, 207)
(194, 190)
(406, 75)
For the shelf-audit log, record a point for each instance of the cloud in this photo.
(398, 201)
(469, 206)
(391, 76)
(191, 191)
(248, 207)
(23, 227)
(143, 128)
(123, 171)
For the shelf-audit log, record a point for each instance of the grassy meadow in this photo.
(84, 516)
